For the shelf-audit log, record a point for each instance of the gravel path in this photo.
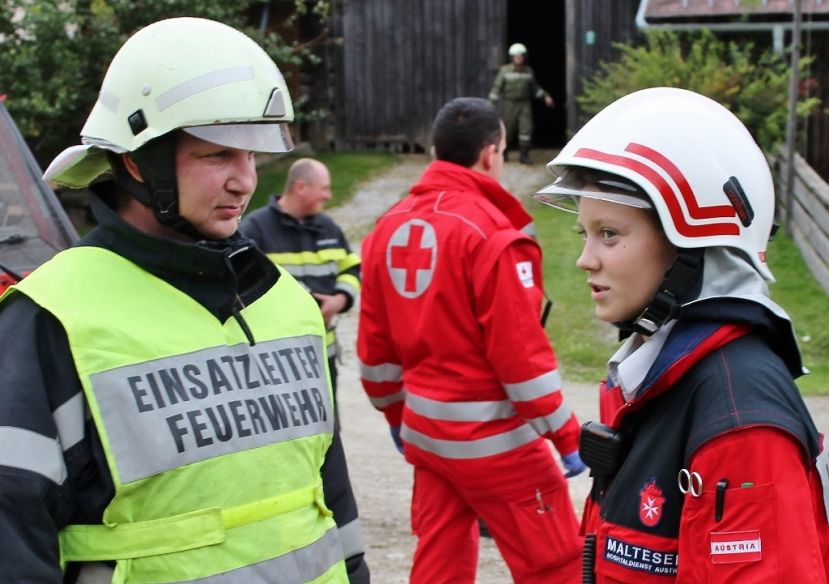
(382, 480)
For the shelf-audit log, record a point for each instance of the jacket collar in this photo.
(311, 222)
(211, 272)
(447, 176)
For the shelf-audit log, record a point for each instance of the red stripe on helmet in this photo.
(696, 212)
(668, 195)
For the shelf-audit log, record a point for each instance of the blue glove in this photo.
(395, 435)
(572, 462)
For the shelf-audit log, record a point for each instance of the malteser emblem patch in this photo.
(650, 504)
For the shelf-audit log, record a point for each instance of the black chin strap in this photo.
(680, 280)
(157, 162)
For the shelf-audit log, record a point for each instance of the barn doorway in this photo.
(539, 24)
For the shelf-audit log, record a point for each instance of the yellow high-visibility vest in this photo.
(214, 445)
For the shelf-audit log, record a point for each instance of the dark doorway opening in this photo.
(539, 25)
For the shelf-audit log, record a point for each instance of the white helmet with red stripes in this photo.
(705, 176)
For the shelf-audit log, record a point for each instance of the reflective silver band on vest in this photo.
(385, 372)
(552, 422)
(295, 567)
(477, 411)
(540, 386)
(383, 402)
(351, 538)
(313, 270)
(480, 448)
(31, 451)
(165, 413)
(70, 420)
(323, 552)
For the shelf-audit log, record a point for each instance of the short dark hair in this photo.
(464, 127)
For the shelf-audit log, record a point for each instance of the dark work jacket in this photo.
(278, 233)
(39, 376)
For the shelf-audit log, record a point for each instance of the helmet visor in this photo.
(577, 182)
(252, 137)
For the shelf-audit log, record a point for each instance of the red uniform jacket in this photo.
(450, 322)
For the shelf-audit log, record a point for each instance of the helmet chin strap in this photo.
(681, 281)
(157, 162)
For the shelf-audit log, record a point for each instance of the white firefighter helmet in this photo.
(194, 74)
(517, 49)
(688, 157)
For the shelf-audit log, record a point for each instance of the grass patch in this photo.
(348, 169)
(797, 291)
(583, 343)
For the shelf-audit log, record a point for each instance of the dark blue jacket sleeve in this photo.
(39, 473)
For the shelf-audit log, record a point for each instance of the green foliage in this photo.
(54, 53)
(753, 86)
(347, 169)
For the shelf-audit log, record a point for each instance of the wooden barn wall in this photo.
(401, 60)
(815, 147)
(593, 26)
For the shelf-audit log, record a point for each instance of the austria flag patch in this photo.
(733, 547)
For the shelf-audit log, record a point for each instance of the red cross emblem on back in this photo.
(410, 257)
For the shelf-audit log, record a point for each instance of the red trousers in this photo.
(529, 515)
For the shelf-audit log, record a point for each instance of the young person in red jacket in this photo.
(705, 468)
(453, 352)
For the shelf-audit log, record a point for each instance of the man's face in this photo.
(518, 59)
(215, 184)
(315, 191)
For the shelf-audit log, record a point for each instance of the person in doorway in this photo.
(166, 407)
(295, 233)
(704, 461)
(513, 90)
(453, 352)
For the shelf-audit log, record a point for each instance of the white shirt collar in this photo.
(629, 365)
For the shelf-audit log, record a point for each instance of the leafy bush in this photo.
(752, 84)
(54, 53)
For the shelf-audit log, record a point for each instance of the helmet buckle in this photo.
(137, 122)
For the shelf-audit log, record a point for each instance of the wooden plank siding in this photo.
(810, 214)
(604, 23)
(401, 60)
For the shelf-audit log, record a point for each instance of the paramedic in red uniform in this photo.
(453, 352)
(707, 466)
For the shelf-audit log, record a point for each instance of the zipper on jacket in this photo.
(236, 310)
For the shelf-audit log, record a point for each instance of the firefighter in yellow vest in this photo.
(166, 407)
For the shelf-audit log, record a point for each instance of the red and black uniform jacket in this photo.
(721, 402)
